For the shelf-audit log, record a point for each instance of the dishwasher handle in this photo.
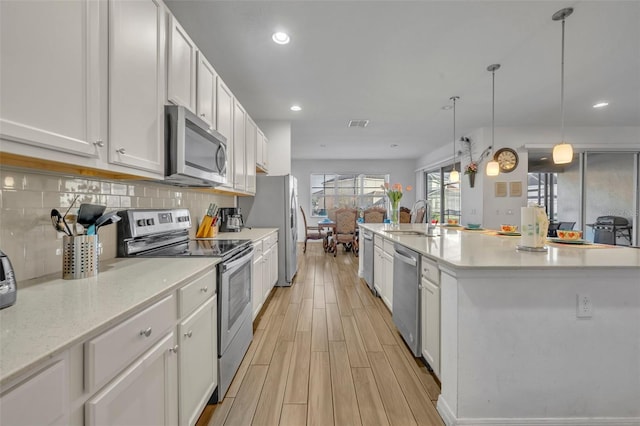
(367, 236)
(405, 257)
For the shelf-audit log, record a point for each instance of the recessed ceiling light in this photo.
(296, 108)
(281, 37)
(322, 145)
(394, 145)
(543, 158)
(447, 107)
(601, 104)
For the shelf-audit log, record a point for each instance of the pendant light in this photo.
(454, 176)
(562, 152)
(493, 168)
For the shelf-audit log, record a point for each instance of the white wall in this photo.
(400, 171)
(279, 147)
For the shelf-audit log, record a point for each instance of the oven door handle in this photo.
(236, 263)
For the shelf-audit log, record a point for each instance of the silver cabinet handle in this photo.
(202, 115)
(204, 289)
(121, 151)
(99, 143)
(188, 333)
(146, 333)
(174, 349)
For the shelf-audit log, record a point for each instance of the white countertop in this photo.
(479, 249)
(52, 314)
(253, 234)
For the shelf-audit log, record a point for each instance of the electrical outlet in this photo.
(58, 251)
(584, 308)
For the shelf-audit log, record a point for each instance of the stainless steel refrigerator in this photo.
(275, 205)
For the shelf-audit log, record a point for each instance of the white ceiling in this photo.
(397, 63)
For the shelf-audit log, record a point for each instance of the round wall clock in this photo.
(507, 158)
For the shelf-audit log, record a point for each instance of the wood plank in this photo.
(329, 293)
(297, 290)
(366, 297)
(267, 311)
(380, 326)
(270, 402)
(308, 289)
(343, 301)
(290, 322)
(334, 322)
(319, 340)
(293, 415)
(365, 328)
(318, 296)
(297, 390)
(244, 405)
(345, 404)
(220, 412)
(320, 405)
(244, 365)
(414, 392)
(306, 315)
(268, 343)
(355, 346)
(369, 400)
(395, 404)
(283, 303)
(353, 296)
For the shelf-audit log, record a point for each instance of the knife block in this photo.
(80, 255)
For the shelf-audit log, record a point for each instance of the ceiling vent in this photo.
(358, 123)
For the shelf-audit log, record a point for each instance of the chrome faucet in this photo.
(426, 218)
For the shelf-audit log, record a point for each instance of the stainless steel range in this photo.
(165, 233)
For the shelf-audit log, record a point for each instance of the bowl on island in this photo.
(452, 221)
(473, 225)
(509, 228)
(569, 234)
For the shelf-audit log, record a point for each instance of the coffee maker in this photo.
(231, 219)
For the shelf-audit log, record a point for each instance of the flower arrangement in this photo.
(394, 193)
(471, 168)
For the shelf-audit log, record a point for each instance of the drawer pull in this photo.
(121, 151)
(204, 289)
(146, 333)
(174, 349)
(188, 333)
(99, 143)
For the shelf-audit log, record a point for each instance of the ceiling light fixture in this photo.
(493, 168)
(562, 152)
(281, 37)
(296, 108)
(601, 104)
(394, 145)
(454, 176)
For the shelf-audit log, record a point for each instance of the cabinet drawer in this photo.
(388, 247)
(270, 240)
(430, 270)
(378, 241)
(196, 293)
(113, 350)
(257, 249)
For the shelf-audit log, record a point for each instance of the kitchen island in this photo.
(512, 348)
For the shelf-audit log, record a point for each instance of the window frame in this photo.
(358, 189)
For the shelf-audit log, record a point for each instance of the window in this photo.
(332, 190)
(443, 196)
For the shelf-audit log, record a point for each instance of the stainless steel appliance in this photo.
(196, 153)
(367, 257)
(8, 289)
(275, 205)
(165, 233)
(231, 219)
(406, 296)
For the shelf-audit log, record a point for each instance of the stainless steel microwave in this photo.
(196, 154)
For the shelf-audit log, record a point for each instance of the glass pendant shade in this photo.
(563, 153)
(454, 176)
(493, 168)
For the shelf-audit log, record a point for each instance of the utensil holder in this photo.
(80, 255)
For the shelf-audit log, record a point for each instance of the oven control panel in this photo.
(143, 222)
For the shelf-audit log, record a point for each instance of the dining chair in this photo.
(311, 232)
(374, 215)
(405, 215)
(566, 226)
(345, 231)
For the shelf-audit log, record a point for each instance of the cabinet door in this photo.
(53, 74)
(267, 273)
(197, 356)
(265, 153)
(181, 78)
(224, 120)
(259, 149)
(378, 270)
(136, 84)
(239, 172)
(387, 292)
(145, 393)
(273, 269)
(251, 133)
(206, 91)
(431, 339)
(257, 292)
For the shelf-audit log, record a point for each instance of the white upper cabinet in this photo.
(251, 133)
(224, 120)
(53, 74)
(206, 92)
(261, 151)
(181, 85)
(136, 83)
(239, 173)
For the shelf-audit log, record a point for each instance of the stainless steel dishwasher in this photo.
(406, 296)
(367, 257)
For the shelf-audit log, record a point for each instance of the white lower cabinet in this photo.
(146, 393)
(257, 294)
(197, 354)
(430, 321)
(383, 270)
(387, 288)
(40, 400)
(378, 269)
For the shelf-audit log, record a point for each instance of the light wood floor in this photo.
(325, 352)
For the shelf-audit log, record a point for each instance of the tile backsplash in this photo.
(27, 197)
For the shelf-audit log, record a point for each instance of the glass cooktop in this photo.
(200, 248)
